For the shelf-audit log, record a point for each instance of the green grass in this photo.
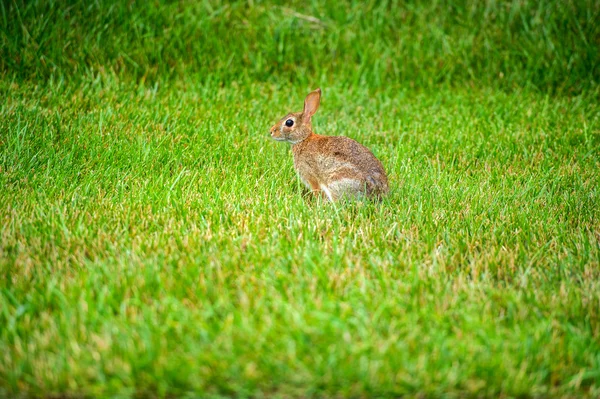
(155, 243)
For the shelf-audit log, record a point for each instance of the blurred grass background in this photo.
(549, 45)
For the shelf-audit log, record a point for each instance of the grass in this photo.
(155, 243)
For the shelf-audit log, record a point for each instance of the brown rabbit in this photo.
(337, 167)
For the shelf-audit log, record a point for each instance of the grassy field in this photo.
(155, 243)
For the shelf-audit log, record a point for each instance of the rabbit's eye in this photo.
(289, 123)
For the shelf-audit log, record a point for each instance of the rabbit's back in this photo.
(339, 166)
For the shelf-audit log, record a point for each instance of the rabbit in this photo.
(332, 167)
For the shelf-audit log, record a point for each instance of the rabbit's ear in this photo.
(311, 104)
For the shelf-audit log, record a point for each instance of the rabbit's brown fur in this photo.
(336, 167)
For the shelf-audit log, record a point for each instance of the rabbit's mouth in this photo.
(276, 134)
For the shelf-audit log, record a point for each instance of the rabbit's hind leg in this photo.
(345, 188)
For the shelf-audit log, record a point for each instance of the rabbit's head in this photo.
(296, 127)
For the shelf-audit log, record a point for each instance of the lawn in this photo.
(156, 243)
